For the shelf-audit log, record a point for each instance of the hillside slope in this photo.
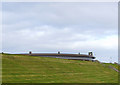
(30, 69)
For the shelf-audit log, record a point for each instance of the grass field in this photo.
(113, 65)
(30, 69)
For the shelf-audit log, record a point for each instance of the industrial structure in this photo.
(78, 56)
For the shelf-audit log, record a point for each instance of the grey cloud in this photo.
(68, 27)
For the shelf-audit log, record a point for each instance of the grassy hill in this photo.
(30, 69)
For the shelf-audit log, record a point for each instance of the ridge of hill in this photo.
(33, 69)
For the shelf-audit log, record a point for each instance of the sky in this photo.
(68, 27)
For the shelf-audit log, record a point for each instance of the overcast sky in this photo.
(66, 27)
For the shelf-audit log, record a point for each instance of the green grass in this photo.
(30, 69)
(111, 64)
